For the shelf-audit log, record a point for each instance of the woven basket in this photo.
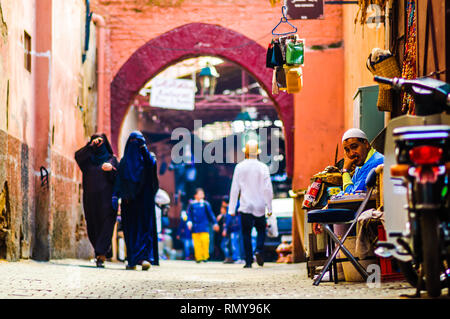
(387, 68)
(384, 102)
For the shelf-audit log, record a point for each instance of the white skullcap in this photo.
(354, 133)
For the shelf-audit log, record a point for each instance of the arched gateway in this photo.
(193, 40)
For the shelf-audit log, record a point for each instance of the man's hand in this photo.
(349, 164)
(224, 233)
(216, 227)
(97, 141)
(189, 225)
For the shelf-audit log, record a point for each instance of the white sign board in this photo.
(173, 94)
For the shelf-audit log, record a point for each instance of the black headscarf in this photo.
(103, 152)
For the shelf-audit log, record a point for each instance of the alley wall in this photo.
(359, 41)
(47, 112)
(16, 130)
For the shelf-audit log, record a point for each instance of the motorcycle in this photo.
(422, 163)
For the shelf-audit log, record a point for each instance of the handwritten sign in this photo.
(305, 9)
(176, 94)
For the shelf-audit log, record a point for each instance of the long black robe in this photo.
(138, 206)
(97, 192)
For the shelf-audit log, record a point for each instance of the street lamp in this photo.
(208, 79)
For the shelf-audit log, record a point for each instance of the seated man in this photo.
(359, 153)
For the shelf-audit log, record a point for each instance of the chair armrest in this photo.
(371, 179)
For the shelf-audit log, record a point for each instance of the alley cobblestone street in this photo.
(80, 279)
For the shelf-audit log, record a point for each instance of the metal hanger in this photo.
(284, 19)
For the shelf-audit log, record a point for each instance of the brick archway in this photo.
(191, 40)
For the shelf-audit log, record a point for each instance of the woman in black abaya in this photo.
(137, 184)
(98, 165)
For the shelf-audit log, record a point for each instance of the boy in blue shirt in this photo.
(200, 217)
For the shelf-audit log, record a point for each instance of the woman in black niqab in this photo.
(137, 184)
(98, 165)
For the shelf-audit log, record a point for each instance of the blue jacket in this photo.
(232, 223)
(360, 175)
(183, 230)
(201, 216)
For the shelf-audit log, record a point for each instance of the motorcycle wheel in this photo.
(412, 275)
(431, 254)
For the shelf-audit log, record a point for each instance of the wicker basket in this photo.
(387, 68)
(384, 102)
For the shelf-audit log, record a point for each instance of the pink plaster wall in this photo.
(41, 125)
(319, 115)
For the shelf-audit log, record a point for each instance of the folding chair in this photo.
(329, 217)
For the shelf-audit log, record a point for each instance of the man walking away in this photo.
(252, 184)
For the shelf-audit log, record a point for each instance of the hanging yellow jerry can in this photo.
(294, 79)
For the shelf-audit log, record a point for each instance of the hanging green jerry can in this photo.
(295, 53)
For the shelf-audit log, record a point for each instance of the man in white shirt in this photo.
(252, 185)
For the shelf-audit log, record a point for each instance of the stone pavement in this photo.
(71, 278)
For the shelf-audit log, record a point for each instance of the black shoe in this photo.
(228, 261)
(248, 266)
(100, 261)
(259, 259)
(130, 267)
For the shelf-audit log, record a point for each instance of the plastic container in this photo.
(294, 79)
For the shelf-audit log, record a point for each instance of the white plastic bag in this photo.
(161, 197)
(272, 226)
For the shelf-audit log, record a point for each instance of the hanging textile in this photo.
(409, 61)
